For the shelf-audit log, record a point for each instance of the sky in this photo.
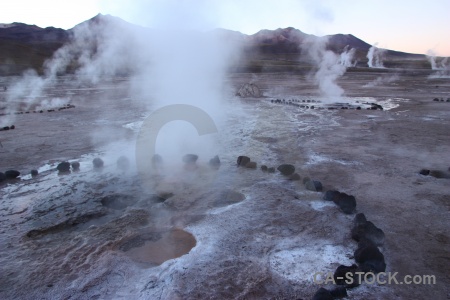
(414, 26)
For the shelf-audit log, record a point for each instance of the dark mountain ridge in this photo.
(25, 46)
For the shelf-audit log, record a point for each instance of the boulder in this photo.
(271, 170)
(2, 176)
(34, 173)
(346, 203)
(369, 257)
(75, 166)
(313, 185)
(323, 294)
(364, 229)
(439, 174)
(330, 195)
(98, 163)
(123, 163)
(424, 172)
(190, 158)
(63, 167)
(242, 161)
(12, 174)
(339, 292)
(251, 165)
(249, 90)
(341, 276)
(12, 127)
(214, 162)
(306, 179)
(286, 169)
(264, 168)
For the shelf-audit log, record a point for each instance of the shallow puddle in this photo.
(159, 247)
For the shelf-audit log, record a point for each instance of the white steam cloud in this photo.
(165, 65)
(375, 57)
(330, 66)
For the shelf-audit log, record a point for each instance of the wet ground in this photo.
(234, 232)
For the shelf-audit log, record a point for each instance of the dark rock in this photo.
(190, 158)
(2, 176)
(12, 127)
(264, 168)
(286, 169)
(339, 292)
(214, 162)
(242, 161)
(295, 177)
(424, 172)
(358, 108)
(6, 128)
(369, 257)
(63, 167)
(12, 174)
(360, 219)
(341, 276)
(322, 294)
(34, 173)
(436, 99)
(271, 170)
(123, 163)
(313, 185)
(330, 195)
(439, 174)
(367, 230)
(75, 166)
(346, 203)
(306, 179)
(98, 163)
(251, 165)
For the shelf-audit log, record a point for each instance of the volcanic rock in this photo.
(75, 166)
(249, 90)
(341, 276)
(243, 160)
(339, 292)
(424, 172)
(323, 294)
(12, 174)
(190, 158)
(214, 162)
(369, 257)
(98, 163)
(313, 185)
(123, 163)
(286, 169)
(63, 167)
(346, 203)
(330, 195)
(367, 230)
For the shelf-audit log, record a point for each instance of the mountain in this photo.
(25, 46)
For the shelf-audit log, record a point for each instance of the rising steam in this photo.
(330, 66)
(375, 56)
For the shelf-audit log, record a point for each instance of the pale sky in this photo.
(415, 26)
